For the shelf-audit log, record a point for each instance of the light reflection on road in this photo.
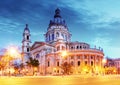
(60, 80)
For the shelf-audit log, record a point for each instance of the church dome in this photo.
(58, 20)
(57, 29)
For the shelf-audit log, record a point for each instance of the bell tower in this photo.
(26, 44)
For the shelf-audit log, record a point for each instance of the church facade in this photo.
(79, 55)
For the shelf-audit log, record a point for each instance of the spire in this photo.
(57, 13)
(26, 25)
(26, 28)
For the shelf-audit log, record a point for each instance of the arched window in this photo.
(28, 50)
(52, 36)
(58, 48)
(57, 34)
(48, 64)
(91, 63)
(27, 37)
(91, 57)
(85, 62)
(37, 56)
(58, 63)
(77, 47)
(66, 37)
(62, 35)
(80, 47)
(78, 63)
(72, 48)
(49, 37)
(57, 71)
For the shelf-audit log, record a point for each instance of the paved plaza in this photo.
(61, 80)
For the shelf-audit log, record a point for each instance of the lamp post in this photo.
(12, 52)
(63, 55)
(104, 62)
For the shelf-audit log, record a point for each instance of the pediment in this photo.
(37, 44)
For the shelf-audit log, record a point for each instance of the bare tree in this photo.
(66, 68)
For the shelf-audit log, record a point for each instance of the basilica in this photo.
(58, 48)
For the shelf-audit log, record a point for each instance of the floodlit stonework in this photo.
(80, 55)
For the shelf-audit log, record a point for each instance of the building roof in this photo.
(39, 44)
(116, 59)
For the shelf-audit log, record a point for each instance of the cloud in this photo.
(112, 52)
(37, 33)
(101, 40)
(8, 26)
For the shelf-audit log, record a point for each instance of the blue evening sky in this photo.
(96, 22)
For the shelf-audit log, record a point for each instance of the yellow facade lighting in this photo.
(64, 53)
(104, 61)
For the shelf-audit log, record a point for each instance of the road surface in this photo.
(61, 80)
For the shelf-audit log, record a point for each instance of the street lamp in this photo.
(104, 61)
(63, 56)
(12, 52)
(64, 53)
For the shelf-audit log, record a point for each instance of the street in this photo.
(60, 80)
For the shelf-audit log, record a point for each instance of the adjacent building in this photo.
(117, 64)
(80, 55)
